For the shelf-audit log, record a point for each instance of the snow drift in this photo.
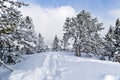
(62, 66)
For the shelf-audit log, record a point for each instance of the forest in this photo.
(81, 36)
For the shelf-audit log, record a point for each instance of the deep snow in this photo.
(61, 66)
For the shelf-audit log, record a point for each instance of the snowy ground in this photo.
(61, 66)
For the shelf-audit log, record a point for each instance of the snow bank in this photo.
(111, 77)
(62, 66)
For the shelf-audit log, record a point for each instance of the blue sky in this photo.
(97, 6)
(49, 15)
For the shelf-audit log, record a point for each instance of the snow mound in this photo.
(111, 77)
(62, 66)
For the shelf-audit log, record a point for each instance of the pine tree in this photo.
(55, 45)
(40, 44)
(9, 21)
(84, 30)
(116, 38)
(109, 43)
(112, 42)
(65, 43)
(27, 35)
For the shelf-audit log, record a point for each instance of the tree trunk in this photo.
(6, 66)
(77, 50)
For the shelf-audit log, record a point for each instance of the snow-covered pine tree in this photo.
(55, 45)
(40, 44)
(116, 37)
(109, 43)
(27, 36)
(84, 30)
(68, 29)
(65, 43)
(9, 21)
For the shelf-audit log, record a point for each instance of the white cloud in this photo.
(115, 13)
(48, 21)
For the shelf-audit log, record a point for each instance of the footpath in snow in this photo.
(62, 66)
